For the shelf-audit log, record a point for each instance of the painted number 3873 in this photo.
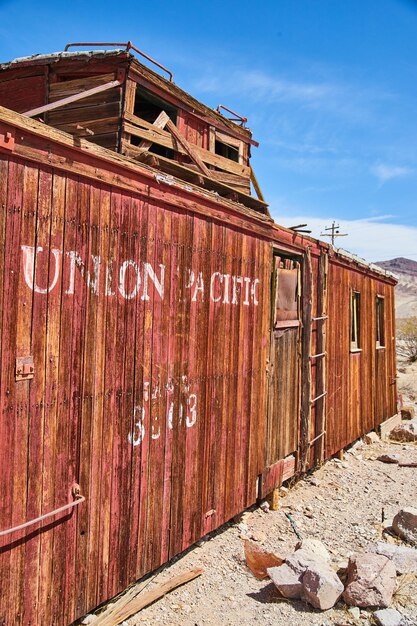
(184, 412)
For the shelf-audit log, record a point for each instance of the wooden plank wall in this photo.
(99, 113)
(283, 419)
(149, 342)
(22, 89)
(361, 385)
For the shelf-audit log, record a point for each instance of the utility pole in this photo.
(335, 232)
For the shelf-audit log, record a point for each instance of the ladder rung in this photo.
(318, 437)
(318, 397)
(316, 356)
(323, 317)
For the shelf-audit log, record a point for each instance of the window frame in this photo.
(280, 261)
(355, 321)
(380, 321)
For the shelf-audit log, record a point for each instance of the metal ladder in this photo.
(321, 361)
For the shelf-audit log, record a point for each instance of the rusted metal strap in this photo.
(323, 317)
(294, 526)
(78, 500)
(78, 96)
(316, 356)
(128, 45)
(318, 437)
(239, 118)
(318, 397)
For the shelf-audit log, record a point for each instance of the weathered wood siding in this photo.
(100, 113)
(361, 385)
(23, 89)
(145, 325)
(146, 308)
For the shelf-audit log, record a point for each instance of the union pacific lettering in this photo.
(131, 279)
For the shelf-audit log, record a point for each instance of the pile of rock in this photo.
(307, 574)
(405, 432)
(368, 580)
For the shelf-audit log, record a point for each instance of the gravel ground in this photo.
(341, 504)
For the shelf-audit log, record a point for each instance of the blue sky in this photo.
(329, 88)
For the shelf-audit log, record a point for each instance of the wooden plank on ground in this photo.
(122, 611)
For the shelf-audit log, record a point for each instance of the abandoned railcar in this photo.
(168, 353)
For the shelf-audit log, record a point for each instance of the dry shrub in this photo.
(407, 335)
(406, 590)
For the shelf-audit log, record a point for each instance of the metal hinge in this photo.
(6, 140)
(25, 369)
(269, 369)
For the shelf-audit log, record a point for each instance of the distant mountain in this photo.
(406, 290)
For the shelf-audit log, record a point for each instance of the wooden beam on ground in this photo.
(187, 147)
(160, 122)
(256, 186)
(78, 96)
(123, 609)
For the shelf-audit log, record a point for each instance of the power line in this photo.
(335, 232)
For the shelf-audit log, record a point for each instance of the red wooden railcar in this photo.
(168, 353)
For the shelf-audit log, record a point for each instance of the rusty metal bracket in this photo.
(236, 118)
(127, 45)
(78, 499)
(7, 140)
(25, 369)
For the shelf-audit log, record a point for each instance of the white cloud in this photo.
(386, 172)
(324, 95)
(368, 238)
(261, 86)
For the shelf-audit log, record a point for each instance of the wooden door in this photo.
(284, 372)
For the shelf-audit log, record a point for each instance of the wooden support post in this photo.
(256, 185)
(340, 455)
(321, 387)
(160, 122)
(307, 305)
(212, 139)
(128, 107)
(273, 499)
(187, 147)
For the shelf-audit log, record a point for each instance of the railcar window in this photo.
(380, 322)
(224, 150)
(287, 293)
(355, 342)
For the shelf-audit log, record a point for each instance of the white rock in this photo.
(388, 617)
(404, 558)
(321, 587)
(286, 580)
(314, 548)
(265, 506)
(355, 612)
(89, 619)
(371, 437)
